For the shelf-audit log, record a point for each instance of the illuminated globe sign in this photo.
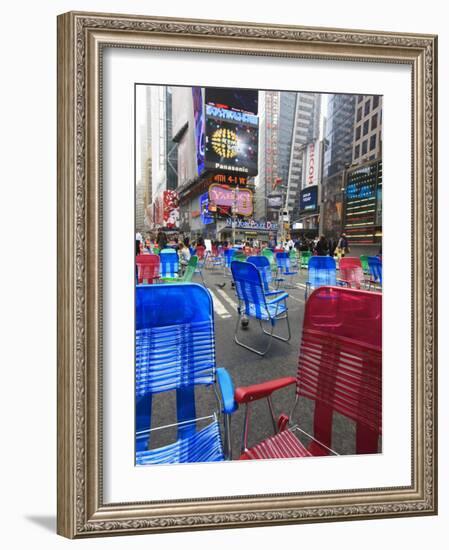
(225, 143)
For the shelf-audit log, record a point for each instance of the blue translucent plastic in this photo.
(375, 268)
(169, 263)
(175, 350)
(229, 253)
(203, 446)
(263, 265)
(322, 271)
(250, 292)
(227, 390)
(283, 261)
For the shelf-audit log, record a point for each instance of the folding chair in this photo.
(339, 369)
(293, 257)
(322, 272)
(254, 302)
(304, 259)
(147, 268)
(365, 265)
(283, 262)
(169, 264)
(351, 272)
(175, 350)
(229, 254)
(375, 268)
(188, 273)
(263, 265)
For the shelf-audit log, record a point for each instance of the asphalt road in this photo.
(248, 368)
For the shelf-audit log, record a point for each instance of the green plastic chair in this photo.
(365, 266)
(293, 257)
(188, 273)
(305, 257)
(239, 257)
(269, 254)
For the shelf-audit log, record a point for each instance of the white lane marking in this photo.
(300, 300)
(227, 299)
(219, 307)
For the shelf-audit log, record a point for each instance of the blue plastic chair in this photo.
(169, 264)
(229, 254)
(283, 262)
(254, 302)
(264, 267)
(175, 350)
(375, 268)
(322, 272)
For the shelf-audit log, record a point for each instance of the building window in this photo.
(375, 101)
(372, 142)
(357, 151)
(359, 114)
(374, 122)
(367, 107)
(365, 127)
(364, 147)
(357, 133)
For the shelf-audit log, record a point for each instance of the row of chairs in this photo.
(339, 368)
(164, 268)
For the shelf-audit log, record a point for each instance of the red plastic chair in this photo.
(351, 272)
(147, 268)
(200, 251)
(340, 369)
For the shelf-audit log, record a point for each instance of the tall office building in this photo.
(306, 130)
(143, 172)
(338, 156)
(367, 129)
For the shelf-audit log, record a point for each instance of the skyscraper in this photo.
(306, 118)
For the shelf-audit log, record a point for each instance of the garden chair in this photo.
(283, 262)
(322, 272)
(175, 351)
(147, 268)
(293, 257)
(188, 274)
(351, 272)
(365, 265)
(229, 254)
(304, 259)
(169, 264)
(375, 268)
(263, 265)
(253, 302)
(339, 369)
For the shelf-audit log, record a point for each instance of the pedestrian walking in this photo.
(161, 240)
(342, 246)
(322, 246)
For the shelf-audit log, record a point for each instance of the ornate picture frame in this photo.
(82, 38)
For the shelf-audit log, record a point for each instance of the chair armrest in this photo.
(273, 292)
(259, 391)
(227, 390)
(282, 296)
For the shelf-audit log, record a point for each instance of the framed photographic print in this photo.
(246, 276)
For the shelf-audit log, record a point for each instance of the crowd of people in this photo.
(318, 246)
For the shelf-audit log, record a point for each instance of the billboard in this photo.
(199, 122)
(222, 195)
(308, 199)
(274, 201)
(231, 147)
(311, 164)
(171, 209)
(235, 99)
(204, 209)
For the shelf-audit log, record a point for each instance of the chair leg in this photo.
(259, 352)
(277, 336)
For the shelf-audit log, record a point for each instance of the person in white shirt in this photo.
(184, 256)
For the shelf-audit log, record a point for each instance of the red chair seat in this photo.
(282, 445)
